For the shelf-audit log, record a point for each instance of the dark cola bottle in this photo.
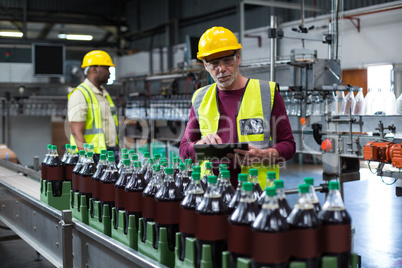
(225, 187)
(100, 169)
(196, 169)
(167, 209)
(148, 199)
(253, 178)
(123, 151)
(208, 172)
(182, 180)
(85, 182)
(242, 178)
(106, 185)
(144, 162)
(130, 153)
(336, 224)
(157, 158)
(189, 167)
(304, 224)
(221, 168)
(70, 163)
(149, 171)
(133, 158)
(55, 171)
(188, 219)
(239, 238)
(271, 176)
(66, 153)
(270, 247)
(134, 189)
(43, 165)
(284, 207)
(164, 164)
(121, 166)
(313, 195)
(75, 183)
(119, 186)
(212, 224)
(176, 163)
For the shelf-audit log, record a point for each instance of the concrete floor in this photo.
(375, 210)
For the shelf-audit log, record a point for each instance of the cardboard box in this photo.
(7, 154)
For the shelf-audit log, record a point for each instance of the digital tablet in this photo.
(217, 151)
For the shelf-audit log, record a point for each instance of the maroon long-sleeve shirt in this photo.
(228, 102)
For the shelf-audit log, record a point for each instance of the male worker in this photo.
(237, 109)
(91, 110)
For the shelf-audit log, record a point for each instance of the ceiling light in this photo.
(11, 34)
(80, 37)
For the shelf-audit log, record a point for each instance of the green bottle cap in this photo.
(157, 156)
(197, 169)
(253, 172)
(111, 159)
(137, 164)
(68, 146)
(164, 163)
(156, 167)
(247, 186)
(304, 188)
(151, 160)
(176, 159)
(271, 175)
(103, 152)
(134, 157)
(73, 147)
(209, 165)
(90, 154)
(124, 156)
(102, 157)
(223, 167)
(82, 152)
(49, 146)
(86, 145)
(169, 170)
(196, 176)
(124, 150)
(212, 179)
(309, 181)
(225, 173)
(147, 154)
(333, 185)
(182, 166)
(131, 152)
(270, 191)
(110, 153)
(126, 162)
(91, 146)
(54, 147)
(189, 161)
(279, 184)
(242, 177)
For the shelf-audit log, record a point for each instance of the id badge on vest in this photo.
(251, 126)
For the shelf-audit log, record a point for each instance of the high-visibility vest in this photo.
(93, 125)
(252, 121)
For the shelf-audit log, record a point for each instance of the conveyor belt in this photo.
(64, 241)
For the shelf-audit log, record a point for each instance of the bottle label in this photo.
(211, 227)
(74, 182)
(54, 173)
(148, 207)
(119, 196)
(239, 239)
(68, 172)
(106, 192)
(270, 247)
(85, 184)
(167, 212)
(337, 238)
(95, 189)
(187, 220)
(306, 243)
(133, 201)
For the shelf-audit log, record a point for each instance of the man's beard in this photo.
(227, 83)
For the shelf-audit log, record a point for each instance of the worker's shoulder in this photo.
(76, 96)
(201, 89)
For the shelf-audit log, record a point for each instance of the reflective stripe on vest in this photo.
(252, 120)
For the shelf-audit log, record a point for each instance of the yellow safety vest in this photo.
(252, 120)
(93, 124)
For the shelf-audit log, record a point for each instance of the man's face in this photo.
(102, 74)
(223, 67)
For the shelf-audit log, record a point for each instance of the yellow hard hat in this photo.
(97, 57)
(216, 39)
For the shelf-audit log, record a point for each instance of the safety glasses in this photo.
(226, 61)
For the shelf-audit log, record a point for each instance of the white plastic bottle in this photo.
(399, 105)
(360, 103)
(341, 103)
(369, 102)
(350, 103)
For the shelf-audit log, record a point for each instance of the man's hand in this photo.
(210, 139)
(254, 156)
(78, 130)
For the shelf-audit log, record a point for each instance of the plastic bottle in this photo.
(390, 102)
(85, 177)
(91, 148)
(157, 158)
(123, 151)
(187, 215)
(182, 180)
(225, 187)
(131, 152)
(134, 189)
(148, 198)
(330, 104)
(133, 158)
(212, 224)
(253, 178)
(167, 208)
(350, 103)
(106, 185)
(336, 226)
(75, 176)
(208, 172)
(189, 167)
(123, 157)
(119, 193)
(163, 164)
(341, 103)
(360, 103)
(86, 149)
(237, 195)
(370, 96)
(239, 238)
(43, 165)
(144, 163)
(271, 176)
(221, 168)
(176, 162)
(304, 223)
(55, 171)
(269, 232)
(100, 169)
(313, 196)
(66, 153)
(284, 207)
(399, 105)
(70, 163)
(149, 171)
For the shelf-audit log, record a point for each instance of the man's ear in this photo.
(205, 65)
